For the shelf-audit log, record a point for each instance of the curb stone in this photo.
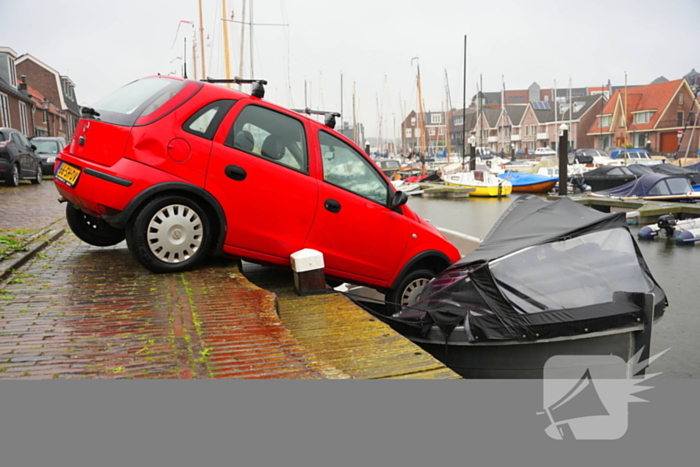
(32, 246)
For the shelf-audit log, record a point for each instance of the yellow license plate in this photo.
(68, 174)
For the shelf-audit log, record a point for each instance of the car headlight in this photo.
(51, 159)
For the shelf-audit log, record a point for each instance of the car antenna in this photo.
(329, 116)
(258, 88)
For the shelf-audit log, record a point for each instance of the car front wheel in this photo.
(169, 234)
(408, 290)
(13, 176)
(39, 176)
(92, 230)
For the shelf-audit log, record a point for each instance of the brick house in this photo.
(650, 116)
(15, 106)
(57, 89)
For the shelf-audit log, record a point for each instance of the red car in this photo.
(183, 169)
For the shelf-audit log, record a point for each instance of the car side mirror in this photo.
(400, 198)
(33, 148)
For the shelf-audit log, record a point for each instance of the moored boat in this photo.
(550, 279)
(484, 183)
(653, 187)
(529, 183)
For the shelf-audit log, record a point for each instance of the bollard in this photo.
(309, 279)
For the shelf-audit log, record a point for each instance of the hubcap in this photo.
(412, 292)
(15, 174)
(174, 233)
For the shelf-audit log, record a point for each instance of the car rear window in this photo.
(46, 147)
(138, 99)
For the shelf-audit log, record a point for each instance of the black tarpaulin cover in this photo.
(653, 184)
(546, 269)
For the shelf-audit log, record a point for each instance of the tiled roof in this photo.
(650, 97)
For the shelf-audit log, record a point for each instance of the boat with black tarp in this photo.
(550, 278)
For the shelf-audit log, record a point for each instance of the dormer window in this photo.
(7, 69)
(643, 117)
(680, 98)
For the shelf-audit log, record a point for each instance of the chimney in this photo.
(23, 84)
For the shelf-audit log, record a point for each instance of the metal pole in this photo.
(563, 160)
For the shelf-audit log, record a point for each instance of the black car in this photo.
(47, 147)
(17, 158)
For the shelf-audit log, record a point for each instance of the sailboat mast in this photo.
(240, 64)
(201, 39)
(421, 123)
(252, 70)
(447, 117)
(227, 55)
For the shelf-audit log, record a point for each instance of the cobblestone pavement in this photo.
(30, 206)
(77, 311)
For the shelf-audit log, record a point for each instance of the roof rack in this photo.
(258, 88)
(330, 116)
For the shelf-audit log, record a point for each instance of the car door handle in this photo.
(332, 205)
(236, 173)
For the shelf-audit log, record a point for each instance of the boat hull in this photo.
(526, 360)
(487, 190)
(544, 187)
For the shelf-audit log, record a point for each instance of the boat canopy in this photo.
(546, 269)
(651, 184)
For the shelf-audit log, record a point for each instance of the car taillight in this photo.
(4, 144)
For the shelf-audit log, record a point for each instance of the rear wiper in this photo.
(89, 112)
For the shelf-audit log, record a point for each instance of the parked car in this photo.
(47, 148)
(183, 169)
(17, 158)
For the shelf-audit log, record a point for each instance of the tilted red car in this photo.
(183, 169)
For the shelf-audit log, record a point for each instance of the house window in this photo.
(680, 119)
(4, 110)
(435, 118)
(441, 131)
(605, 121)
(413, 121)
(23, 118)
(533, 130)
(459, 121)
(680, 99)
(408, 132)
(417, 130)
(432, 131)
(643, 117)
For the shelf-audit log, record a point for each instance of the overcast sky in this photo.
(102, 45)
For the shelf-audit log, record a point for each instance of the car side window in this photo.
(344, 167)
(206, 120)
(25, 141)
(270, 135)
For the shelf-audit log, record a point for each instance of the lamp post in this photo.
(563, 158)
(472, 153)
(512, 151)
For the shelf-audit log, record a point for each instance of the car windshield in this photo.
(46, 147)
(141, 97)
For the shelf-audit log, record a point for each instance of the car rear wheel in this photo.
(92, 230)
(170, 234)
(408, 290)
(39, 176)
(13, 176)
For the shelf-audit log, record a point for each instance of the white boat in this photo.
(484, 183)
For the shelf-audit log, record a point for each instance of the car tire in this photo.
(13, 176)
(407, 290)
(39, 176)
(169, 234)
(92, 230)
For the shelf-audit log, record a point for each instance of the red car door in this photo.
(259, 172)
(362, 239)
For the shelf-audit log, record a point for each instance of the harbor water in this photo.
(674, 267)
